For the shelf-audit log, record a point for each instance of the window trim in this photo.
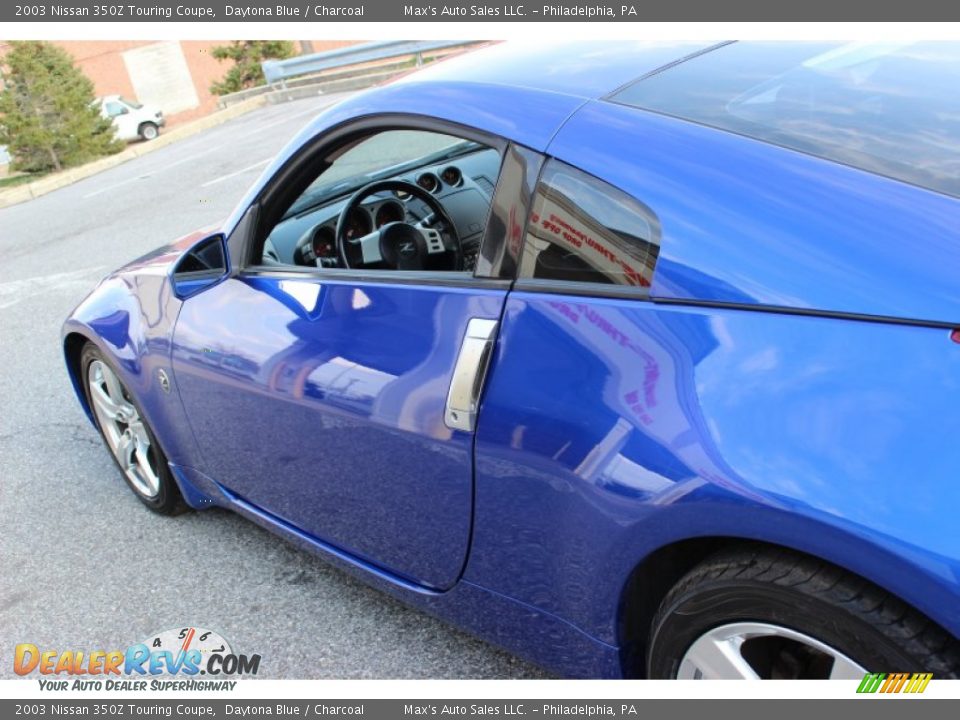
(245, 241)
(494, 251)
(432, 278)
(583, 287)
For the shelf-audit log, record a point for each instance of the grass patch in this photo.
(14, 180)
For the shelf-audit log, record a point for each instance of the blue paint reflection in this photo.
(644, 425)
(322, 402)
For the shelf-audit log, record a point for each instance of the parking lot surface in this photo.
(84, 565)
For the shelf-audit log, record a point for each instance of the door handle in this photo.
(468, 375)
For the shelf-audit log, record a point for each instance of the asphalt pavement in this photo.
(83, 564)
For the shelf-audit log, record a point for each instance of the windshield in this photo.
(890, 108)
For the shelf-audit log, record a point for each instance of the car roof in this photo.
(584, 69)
(519, 91)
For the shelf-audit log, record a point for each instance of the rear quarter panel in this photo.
(614, 427)
(610, 428)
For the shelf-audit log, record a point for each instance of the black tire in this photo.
(168, 501)
(765, 585)
(149, 131)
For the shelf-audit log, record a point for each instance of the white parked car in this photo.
(131, 119)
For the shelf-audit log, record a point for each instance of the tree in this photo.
(47, 117)
(247, 56)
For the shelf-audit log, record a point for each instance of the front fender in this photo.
(130, 317)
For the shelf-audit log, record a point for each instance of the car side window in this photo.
(395, 199)
(115, 108)
(582, 229)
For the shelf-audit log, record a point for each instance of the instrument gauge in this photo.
(452, 176)
(429, 182)
(389, 212)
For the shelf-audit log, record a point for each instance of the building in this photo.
(174, 75)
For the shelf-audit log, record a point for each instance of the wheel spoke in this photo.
(717, 659)
(142, 473)
(370, 247)
(719, 654)
(140, 436)
(147, 474)
(125, 433)
(426, 221)
(113, 385)
(845, 669)
(104, 402)
(108, 395)
(125, 448)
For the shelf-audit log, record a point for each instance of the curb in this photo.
(48, 184)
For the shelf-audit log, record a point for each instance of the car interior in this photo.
(392, 200)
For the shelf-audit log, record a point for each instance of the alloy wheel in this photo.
(123, 429)
(750, 650)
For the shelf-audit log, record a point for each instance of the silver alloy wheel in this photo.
(718, 654)
(123, 428)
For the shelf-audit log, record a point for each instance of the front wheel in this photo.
(127, 435)
(149, 131)
(760, 613)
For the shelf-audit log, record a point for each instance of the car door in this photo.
(586, 401)
(321, 399)
(124, 121)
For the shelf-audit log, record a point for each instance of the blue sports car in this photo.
(637, 360)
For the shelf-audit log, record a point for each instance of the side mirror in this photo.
(203, 265)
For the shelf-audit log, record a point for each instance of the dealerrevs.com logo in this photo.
(169, 660)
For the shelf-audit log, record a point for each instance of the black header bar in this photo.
(394, 11)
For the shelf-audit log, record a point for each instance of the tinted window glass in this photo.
(458, 174)
(892, 109)
(584, 230)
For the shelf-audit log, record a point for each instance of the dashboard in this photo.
(463, 186)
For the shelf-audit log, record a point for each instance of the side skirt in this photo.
(538, 636)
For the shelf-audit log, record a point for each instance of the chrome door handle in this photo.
(469, 374)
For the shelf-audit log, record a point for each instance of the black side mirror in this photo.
(203, 265)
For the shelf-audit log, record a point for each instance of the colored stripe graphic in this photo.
(894, 683)
(871, 682)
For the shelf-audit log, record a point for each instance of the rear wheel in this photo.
(763, 613)
(128, 436)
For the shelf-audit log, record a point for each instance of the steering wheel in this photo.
(430, 244)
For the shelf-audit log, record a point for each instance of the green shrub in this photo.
(247, 56)
(47, 117)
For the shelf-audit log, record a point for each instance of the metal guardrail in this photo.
(279, 71)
